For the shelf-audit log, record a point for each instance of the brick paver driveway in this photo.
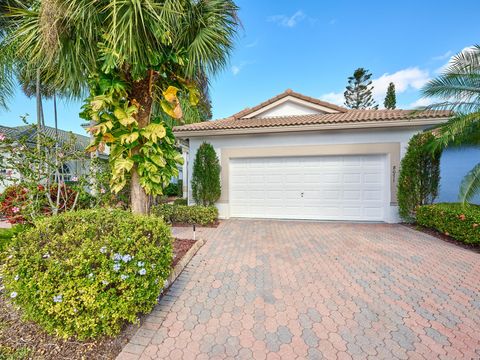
(272, 289)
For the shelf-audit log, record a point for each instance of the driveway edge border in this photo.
(177, 270)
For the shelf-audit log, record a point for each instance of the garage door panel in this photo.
(333, 187)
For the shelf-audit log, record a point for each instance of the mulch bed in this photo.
(214, 225)
(26, 340)
(442, 236)
(180, 248)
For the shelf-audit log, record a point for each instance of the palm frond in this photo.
(470, 185)
(459, 130)
(207, 32)
(458, 87)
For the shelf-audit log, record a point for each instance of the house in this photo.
(297, 157)
(69, 169)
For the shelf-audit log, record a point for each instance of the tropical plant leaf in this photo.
(129, 138)
(171, 94)
(470, 185)
(158, 160)
(122, 164)
(154, 132)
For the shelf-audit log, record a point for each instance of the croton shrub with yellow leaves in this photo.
(85, 274)
(150, 148)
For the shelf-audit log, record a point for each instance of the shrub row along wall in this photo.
(182, 214)
(460, 222)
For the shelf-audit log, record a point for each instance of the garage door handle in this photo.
(301, 194)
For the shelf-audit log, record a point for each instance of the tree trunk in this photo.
(141, 94)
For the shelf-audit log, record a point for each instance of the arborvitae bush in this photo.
(206, 187)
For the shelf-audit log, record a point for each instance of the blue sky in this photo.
(313, 46)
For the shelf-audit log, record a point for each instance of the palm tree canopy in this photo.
(71, 39)
(458, 89)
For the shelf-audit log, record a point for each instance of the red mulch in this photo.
(214, 225)
(26, 340)
(442, 236)
(180, 248)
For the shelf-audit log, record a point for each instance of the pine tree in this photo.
(390, 101)
(359, 91)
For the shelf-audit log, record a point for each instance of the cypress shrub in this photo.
(206, 187)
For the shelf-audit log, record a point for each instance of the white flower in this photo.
(124, 277)
(16, 277)
(75, 178)
(13, 294)
(126, 258)
(117, 257)
(46, 255)
(105, 282)
(142, 271)
(103, 249)
(140, 263)
(90, 275)
(165, 283)
(116, 267)
(58, 298)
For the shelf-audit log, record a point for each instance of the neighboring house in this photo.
(69, 169)
(454, 165)
(296, 157)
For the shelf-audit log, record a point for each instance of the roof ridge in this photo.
(288, 92)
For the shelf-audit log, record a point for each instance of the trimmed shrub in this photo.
(206, 187)
(180, 188)
(182, 214)
(180, 202)
(86, 273)
(458, 221)
(171, 190)
(419, 176)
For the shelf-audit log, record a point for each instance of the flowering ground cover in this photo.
(24, 339)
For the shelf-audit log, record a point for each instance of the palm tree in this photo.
(458, 89)
(145, 42)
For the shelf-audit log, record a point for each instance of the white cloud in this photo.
(406, 79)
(236, 69)
(422, 102)
(444, 56)
(239, 67)
(288, 21)
(334, 98)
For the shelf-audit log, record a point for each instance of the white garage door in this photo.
(317, 187)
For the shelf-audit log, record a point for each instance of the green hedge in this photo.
(174, 189)
(86, 273)
(183, 214)
(461, 223)
(419, 176)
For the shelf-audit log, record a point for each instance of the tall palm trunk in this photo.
(141, 92)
